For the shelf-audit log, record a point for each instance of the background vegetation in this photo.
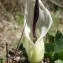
(11, 27)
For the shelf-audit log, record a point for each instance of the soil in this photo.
(10, 32)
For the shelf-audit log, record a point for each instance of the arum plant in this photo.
(38, 21)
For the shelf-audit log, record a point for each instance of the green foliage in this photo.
(51, 38)
(54, 50)
(59, 41)
(49, 47)
(23, 50)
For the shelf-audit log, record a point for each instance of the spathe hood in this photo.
(43, 24)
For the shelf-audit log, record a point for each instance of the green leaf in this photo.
(23, 50)
(55, 50)
(50, 38)
(58, 46)
(49, 47)
(49, 51)
(61, 55)
(56, 56)
(58, 42)
(48, 55)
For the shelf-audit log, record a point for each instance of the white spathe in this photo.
(35, 51)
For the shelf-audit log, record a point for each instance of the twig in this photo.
(12, 59)
(21, 37)
(7, 52)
